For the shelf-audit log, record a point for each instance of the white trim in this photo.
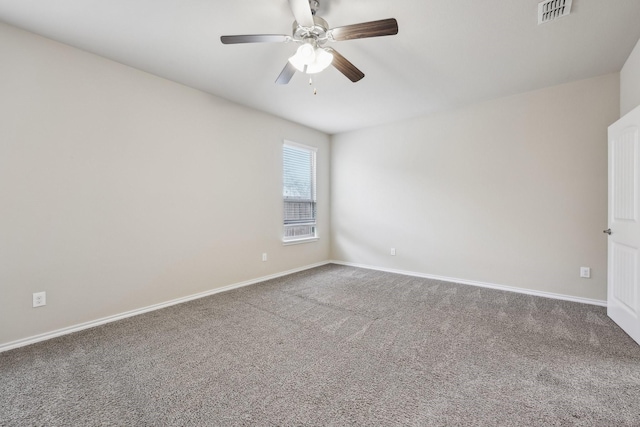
(300, 241)
(298, 145)
(86, 325)
(602, 303)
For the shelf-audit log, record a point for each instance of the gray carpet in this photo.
(335, 346)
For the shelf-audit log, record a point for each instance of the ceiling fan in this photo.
(312, 33)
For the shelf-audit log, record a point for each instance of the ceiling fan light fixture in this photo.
(310, 59)
(322, 61)
(305, 56)
(312, 33)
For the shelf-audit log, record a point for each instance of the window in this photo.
(299, 192)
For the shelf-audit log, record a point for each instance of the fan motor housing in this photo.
(318, 32)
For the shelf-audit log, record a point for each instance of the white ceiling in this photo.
(447, 53)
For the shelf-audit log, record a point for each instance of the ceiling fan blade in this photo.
(302, 12)
(344, 66)
(287, 72)
(384, 27)
(255, 38)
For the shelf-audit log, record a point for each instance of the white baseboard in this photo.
(86, 325)
(481, 284)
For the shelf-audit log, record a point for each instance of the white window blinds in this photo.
(299, 191)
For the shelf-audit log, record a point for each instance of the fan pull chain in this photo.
(315, 90)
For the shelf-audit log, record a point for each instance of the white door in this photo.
(623, 295)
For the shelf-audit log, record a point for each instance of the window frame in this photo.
(314, 184)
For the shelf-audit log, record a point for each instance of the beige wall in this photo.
(630, 82)
(119, 189)
(511, 192)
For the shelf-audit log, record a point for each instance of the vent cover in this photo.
(549, 10)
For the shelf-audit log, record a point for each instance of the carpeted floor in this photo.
(335, 346)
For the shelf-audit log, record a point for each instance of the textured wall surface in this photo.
(510, 192)
(119, 189)
(630, 82)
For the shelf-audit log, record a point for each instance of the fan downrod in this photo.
(314, 5)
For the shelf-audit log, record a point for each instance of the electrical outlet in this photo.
(264, 256)
(39, 299)
(585, 272)
(393, 251)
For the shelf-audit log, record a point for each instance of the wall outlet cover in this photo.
(39, 299)
(585, 272)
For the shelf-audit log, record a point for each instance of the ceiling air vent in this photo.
(549, 10)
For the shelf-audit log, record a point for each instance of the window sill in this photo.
(299, 241)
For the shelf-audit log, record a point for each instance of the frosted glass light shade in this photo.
(314, 59)
(305, 55)
(322, 61)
